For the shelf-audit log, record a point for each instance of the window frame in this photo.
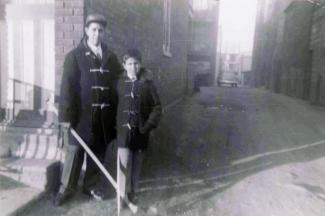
(167, 28)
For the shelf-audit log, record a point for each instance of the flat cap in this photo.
(98, 18)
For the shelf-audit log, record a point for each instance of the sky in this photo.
(237, 21)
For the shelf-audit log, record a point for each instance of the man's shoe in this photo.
(60, 198)
(133, 198)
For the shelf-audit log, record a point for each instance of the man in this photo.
(88, 105)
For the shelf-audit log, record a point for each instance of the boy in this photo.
(139, 111)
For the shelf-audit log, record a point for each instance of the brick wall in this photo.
(2, 14)
(267, 43)
(130, 24)
(140, 24)
(300, 61)
(69, 25)
(317, 46)
(261, 44)
(295, 49)
(281, 56)
(202, 52)
(2, 10)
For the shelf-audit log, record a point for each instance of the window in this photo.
(27, 57)
(200, 5)
(266, 11)
(167, 27)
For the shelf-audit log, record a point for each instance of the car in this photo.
(227, 79)
(231, 83)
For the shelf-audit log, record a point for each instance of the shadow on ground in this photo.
(201, 149)
(209, 142)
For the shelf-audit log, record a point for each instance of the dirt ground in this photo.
(227, 151)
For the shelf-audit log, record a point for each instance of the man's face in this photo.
(95, 33)
(132, 67)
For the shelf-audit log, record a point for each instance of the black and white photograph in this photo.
(162, 107)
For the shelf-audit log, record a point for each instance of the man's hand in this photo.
(65, 125)
(64, 129)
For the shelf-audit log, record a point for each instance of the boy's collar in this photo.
(141, 76)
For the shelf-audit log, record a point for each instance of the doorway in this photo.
(27, 45)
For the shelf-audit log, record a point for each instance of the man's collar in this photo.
(105, 51)
(94, 48)
(134, 78)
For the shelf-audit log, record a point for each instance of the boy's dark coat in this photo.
(149, 113)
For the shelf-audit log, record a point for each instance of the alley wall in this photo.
(289, 48)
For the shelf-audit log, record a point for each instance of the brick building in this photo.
(288, 49)
(35, 35)
(268, 41)
(158, 28)
(238, 66)
(317, 55)
(202, 47)
(295, 74)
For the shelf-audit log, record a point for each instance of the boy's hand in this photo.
(114, 134)
(144, 130)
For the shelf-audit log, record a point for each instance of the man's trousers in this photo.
(74, 159)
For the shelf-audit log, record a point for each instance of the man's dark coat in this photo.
(88, 96)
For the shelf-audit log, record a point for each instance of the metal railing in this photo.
(14, 101)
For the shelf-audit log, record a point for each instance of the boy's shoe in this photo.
(96, 194)
(133, 198)
(60, 198)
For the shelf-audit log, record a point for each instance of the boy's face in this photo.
(95, 33)
(132, 67)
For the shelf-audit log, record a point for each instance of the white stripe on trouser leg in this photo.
(123, 154)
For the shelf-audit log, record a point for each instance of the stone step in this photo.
(38, 147)
(28, 130)
(37, 173)
(30, 143)
(15, 199)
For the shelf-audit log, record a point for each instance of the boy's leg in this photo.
(128, 187)
(136, 165)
